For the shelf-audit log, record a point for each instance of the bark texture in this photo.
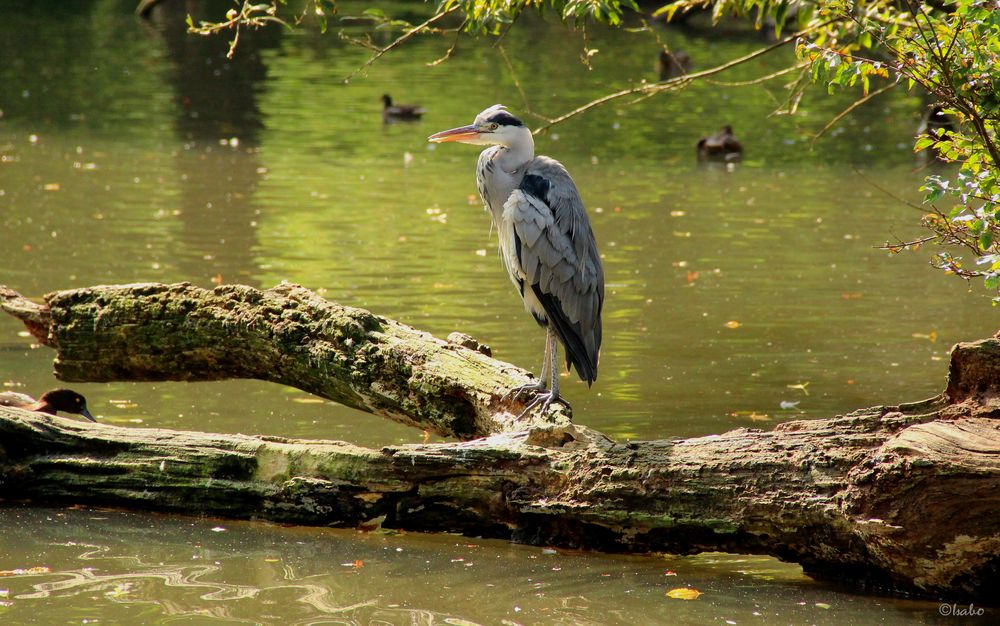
(287, 335)
(903, 498)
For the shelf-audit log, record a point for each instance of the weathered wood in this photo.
(287, 335)
(902, 498)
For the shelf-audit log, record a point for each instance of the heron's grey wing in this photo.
(550, 252)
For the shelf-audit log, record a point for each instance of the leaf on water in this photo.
(692, 276)
(51, 187)
(31, 571)
(732, 324)
(217, 279)
(931, 336)
(218, 529)
(684, 593)
(309, 400)
(800, 386)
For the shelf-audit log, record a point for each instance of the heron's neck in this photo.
(520, 151)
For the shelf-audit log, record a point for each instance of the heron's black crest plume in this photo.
(505, 119)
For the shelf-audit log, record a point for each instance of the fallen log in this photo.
(903, 498)
(287, 335)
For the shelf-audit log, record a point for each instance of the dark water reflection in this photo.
(132, 152)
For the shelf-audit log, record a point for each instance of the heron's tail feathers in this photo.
(582, 347)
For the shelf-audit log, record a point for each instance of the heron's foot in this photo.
(543, 398)
(516, 393)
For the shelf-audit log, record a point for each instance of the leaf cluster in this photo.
(953, 54)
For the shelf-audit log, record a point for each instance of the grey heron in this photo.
(546, 243)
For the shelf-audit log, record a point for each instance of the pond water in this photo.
(130, 152)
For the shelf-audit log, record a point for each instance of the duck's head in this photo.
(67, 401)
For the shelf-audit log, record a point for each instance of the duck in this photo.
(720, 146)
(53, 400)
(935, 120)
(673, 64)
(392, 111)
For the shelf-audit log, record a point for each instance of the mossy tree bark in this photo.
(903, 498)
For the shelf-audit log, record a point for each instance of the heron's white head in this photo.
(494, 126)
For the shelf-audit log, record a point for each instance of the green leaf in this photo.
(986, 240)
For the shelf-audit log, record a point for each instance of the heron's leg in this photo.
(546, 359)
(552, 352)
(550, 368)
(536, 387)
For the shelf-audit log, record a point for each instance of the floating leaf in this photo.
(931, 336)
(732, 324)
(800, 386)
(684, 593)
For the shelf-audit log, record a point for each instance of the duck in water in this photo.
(65, 400)
(721, 146)
(392, 111)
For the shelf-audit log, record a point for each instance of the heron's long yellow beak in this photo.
(454, 134)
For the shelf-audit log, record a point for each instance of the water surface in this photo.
(132, 152)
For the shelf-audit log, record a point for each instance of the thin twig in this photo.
(847, 111)
(675, 83)
(902, 245)
(451, 48)
(759, 80)
(517, 83)
(400, 41)
(889, 192)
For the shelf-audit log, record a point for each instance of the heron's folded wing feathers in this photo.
(548, 244)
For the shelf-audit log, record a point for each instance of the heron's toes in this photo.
(544, 399)
(516, 393)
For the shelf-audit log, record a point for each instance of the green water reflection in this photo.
(117, 568)
(132, 152)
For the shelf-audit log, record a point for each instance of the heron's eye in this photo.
(494, 126)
